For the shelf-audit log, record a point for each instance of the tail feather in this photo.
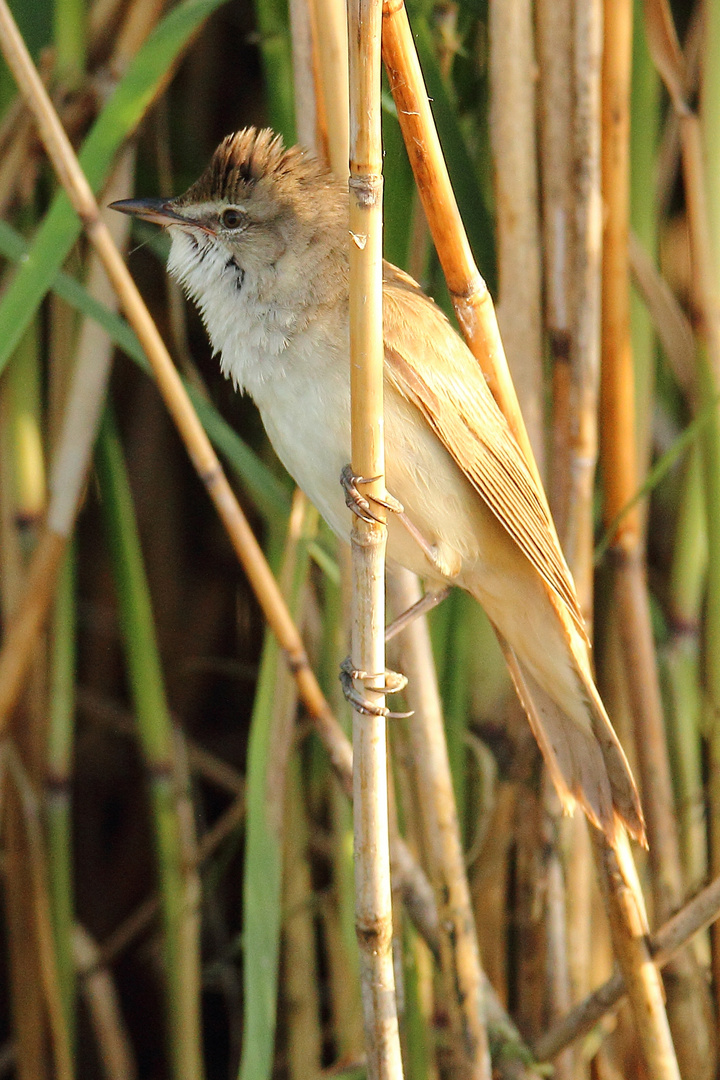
(588, 767)
(625, 793)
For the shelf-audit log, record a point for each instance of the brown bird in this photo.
(260, 243)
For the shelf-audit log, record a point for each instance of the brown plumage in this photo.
(260, 243)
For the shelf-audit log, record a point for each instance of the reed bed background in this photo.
(177, 873)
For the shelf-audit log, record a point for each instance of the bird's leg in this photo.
(426, 603)
(392, 683)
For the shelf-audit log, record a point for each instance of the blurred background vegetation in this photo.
(138, 812)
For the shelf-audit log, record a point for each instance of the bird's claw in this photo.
(362, 505)
(393, 682)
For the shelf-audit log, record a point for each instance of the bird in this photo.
(260, 244)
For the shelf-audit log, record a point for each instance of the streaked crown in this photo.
(246, 158)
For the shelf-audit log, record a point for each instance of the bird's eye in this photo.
(231, 219)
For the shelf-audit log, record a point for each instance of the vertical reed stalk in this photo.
(555, 101)
(689, 1012)
(300, 984)
(469, 293)
(619, 459)
(309, 105)
(331, 16)
(54, 1059)
(512, 119)
(513, 141)
(104, 1009)
(373, 910)
(585, 298)
(460, 961)
(574, 380)
(629, 931)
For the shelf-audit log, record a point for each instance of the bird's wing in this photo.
(431, 366)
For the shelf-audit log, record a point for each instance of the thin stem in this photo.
(373, 909)
(459, 954)
(700, 912)
(471, 298)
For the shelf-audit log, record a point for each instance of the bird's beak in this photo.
(159, 211)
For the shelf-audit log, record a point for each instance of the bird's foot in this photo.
(441, 557)
(393, 682)
(362, 505)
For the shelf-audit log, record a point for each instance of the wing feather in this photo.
(443, 380)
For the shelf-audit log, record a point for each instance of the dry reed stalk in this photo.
(688, 998)
(619, 458)
(513, 143)
(629, 932)
(470, 296)
(332, 39)
(570, 46)
(617, 384)
(697, 915)
(309, 104)
(27, 1008)
(704, 288)
(490, 886)
(189, 937)
(459, 956)
(584, 317)
(24, 629)
(687, 994)
(514, 152)
(555, 103)
(300, 983)
(373, 905)
(114, 1046)
(37, 904)
(669, 60)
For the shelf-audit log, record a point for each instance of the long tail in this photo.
(588, 767)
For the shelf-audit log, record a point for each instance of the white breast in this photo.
(284, 361)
